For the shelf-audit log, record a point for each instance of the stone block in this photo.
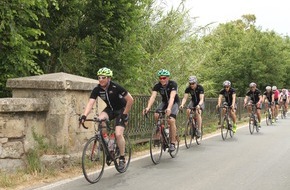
(11, 165)
(11, 126)
(12, 150)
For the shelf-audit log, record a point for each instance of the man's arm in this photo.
(89, 106)
(151, 100)
(129, 103)
(184, 99)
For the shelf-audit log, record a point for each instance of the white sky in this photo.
(270, 14)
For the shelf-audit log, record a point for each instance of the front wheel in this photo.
(127, 155)
(156, 144)
(93, 160)
(188, 134)
(224, 129)
(252, 125)
(268, 119)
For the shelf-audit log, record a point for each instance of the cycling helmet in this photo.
(192, 79)
(268, 88)
(252, 84)
(274, 88)
(163, 72)
(283, 90)
(105, 72)
(227, 83)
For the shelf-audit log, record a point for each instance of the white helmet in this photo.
(252, 84)
(268, 88)
(192, 79)
(227, 83)
(274, 87)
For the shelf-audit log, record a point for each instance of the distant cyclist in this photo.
(229, 94)
(276, 100)
(197, 100)
(268, 99)
(284, 99)
(168, 91)
(253, 96)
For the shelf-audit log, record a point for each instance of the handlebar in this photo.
(95, 119)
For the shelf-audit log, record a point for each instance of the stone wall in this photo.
(48, 105)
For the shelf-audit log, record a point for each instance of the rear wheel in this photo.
(268, 119)
(156, 144)
(93, 160)
(224, 128)
(188, 134)
(127, 155)
(198, 140)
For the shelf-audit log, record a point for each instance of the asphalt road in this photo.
(246, 162)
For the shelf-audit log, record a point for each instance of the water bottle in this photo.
(111, 144)
(106, 138)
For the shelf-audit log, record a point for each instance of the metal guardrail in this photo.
(140, 127)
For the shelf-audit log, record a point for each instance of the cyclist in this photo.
(284, 99)
(276, 100)
(197, 100)
(229, 94)
(254, 94)
(119, 102)
(170, 100)
(268, 99)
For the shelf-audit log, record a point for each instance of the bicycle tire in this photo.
(156, 145)
(231, 132)
(174, 153)
(93, 160)
(251, 124)
(224, 129)
(188, 134)
(268, 120)
(257, 128)
(127, 155)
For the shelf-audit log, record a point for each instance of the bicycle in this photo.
(283, 111)
(95, 150)
(191, 132)
(253, 122)
(268, 115)
(226, 123)
(160, 138)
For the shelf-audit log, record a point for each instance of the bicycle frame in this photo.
(226, 127)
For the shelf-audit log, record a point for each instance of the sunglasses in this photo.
(162, 78)
(102, 77)
(193, 83)
(227, 87)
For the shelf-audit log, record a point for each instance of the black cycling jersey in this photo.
(268, 95)
(113, 96)
(166, 90)
(228, 95)
(195, 94)
(255, 96)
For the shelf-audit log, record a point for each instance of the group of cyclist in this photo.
(119, 102)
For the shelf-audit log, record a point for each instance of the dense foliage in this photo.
(136, 38)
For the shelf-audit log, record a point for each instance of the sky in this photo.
(270, 14)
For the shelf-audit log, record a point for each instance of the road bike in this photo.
(268, 115)
(191, 130)
(226, 122)
(160, 138)
(253, 120)
(283, 111)
(96, 148)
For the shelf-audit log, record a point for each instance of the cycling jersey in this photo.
(268, 95)
(276, 94)
(255, 96)
(166, 90)
(283, 96)
(113, 96)
(228, 95)
(195, 94)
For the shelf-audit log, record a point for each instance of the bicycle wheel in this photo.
(174, 153)
(188, 134)
(127, 155)
(257, 127)
(224, 128)
(268, 119)
(251, 124)
(93, 160)
(156, 144)
(231, 132)
(282, 112)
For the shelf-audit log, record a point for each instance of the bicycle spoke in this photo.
(156, 145)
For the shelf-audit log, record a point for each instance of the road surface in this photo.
(247, 162)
